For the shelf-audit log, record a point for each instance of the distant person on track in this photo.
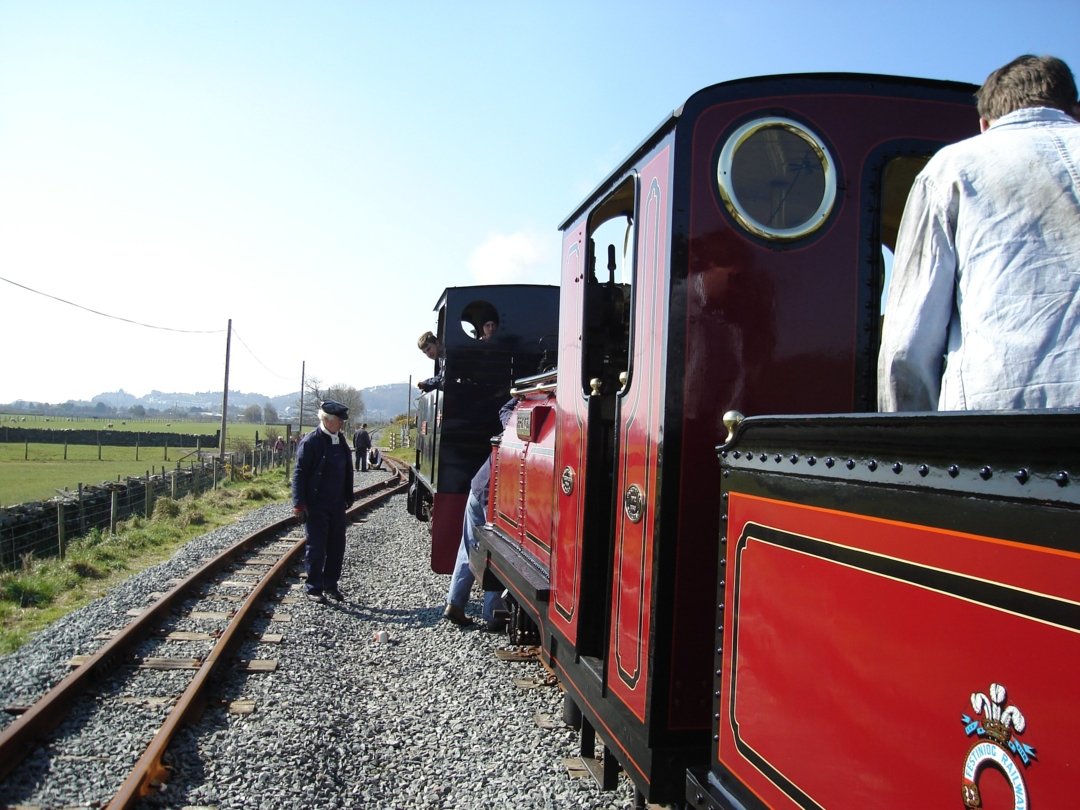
(361, 445)
(375, 461)
(983, 310)
(461, 581)
(322, 489)
(432, 349)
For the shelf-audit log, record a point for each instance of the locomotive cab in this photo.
(455, 422)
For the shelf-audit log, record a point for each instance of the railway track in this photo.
(191, 633)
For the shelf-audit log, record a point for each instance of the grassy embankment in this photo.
(44, 590)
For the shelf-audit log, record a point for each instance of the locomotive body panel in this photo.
(570, 446)
(899, 613)
(539, 476)
(520, 502)
(782, 327)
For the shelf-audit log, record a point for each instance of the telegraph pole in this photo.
(300, 427)
(225, 393)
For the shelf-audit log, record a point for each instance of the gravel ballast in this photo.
(428, 719)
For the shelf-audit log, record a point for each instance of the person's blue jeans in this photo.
(461, 581)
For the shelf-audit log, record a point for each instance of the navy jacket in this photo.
(307, 475)
(362, 440)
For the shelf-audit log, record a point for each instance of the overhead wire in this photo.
(256, 357)
(112, 317)
(149, 326)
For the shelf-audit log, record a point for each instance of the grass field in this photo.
(46, 471)
(33, 472)
(233, 430)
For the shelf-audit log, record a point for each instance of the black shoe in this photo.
(456, 615)
(316, 596)
(335, 594)
(496, 625)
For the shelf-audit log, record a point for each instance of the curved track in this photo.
(260, 552)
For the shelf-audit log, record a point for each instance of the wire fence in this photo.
(44, 528)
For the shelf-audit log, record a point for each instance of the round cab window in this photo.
(480, 320)
(776, 178)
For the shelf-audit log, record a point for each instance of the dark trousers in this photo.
(324, 551)
(361, 460)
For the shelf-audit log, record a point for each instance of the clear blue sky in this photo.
(319, 172)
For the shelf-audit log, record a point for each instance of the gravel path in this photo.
(429, 719)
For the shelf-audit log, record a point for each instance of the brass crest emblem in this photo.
(995, 746)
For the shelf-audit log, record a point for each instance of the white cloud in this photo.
(524, 257)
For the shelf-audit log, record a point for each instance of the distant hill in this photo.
(381, 402)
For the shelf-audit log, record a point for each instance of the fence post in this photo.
(194, 481)
(114, 503)
(82, 513)
(174, 486)
(61, 539)
(26, 451)
(65, 449)
(166, 449)
(149, 493)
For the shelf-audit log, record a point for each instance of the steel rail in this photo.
(32, 727)
(149, 770)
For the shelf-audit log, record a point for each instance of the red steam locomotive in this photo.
(844, 610)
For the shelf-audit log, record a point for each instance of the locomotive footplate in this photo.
(510, 565)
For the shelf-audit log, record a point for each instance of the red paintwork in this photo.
(520, 504)
(539, 487)
(852, 684)
(570, 444)
(639, 431)
(447, 515)
(771, 331)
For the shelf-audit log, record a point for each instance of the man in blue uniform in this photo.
(361, 445)
(322, 489)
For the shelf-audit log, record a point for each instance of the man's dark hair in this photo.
(1027, 81)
